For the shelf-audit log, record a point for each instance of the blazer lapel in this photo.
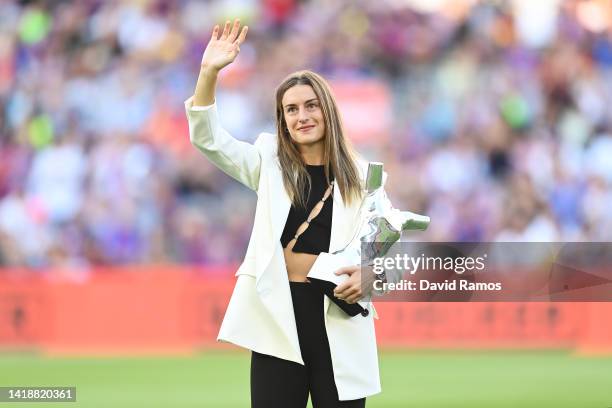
(272, 209)
(279, 202)
(343, 221)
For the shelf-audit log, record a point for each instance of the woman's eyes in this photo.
(310, 106)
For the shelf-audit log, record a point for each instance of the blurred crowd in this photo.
(501, 127)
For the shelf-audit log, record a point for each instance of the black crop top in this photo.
(316, 237)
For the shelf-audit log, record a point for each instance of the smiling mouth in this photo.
(306, 128)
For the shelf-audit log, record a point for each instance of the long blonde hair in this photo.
(338, 155)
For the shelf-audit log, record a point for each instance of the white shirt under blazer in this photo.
(260, 315)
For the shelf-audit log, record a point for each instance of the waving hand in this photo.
(222, 51)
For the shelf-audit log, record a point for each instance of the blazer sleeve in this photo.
(238, 159)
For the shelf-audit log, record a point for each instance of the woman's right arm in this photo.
(241, 160)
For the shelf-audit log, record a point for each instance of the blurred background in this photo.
(117, 236)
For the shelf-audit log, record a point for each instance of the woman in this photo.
(309, 187)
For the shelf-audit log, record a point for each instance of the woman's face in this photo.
(303, 115)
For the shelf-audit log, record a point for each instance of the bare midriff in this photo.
(298, 264)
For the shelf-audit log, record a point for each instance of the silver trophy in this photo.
(380, 226)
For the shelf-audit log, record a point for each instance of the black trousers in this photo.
(278, 383)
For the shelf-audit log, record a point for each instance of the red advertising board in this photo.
(179, 309)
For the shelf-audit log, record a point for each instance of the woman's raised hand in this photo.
(222, 51)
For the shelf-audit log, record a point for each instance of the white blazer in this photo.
(260, 315)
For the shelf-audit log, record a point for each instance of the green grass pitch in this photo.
(219, 379)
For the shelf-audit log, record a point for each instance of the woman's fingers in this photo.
(353, 299)
(242, 35)
(354, 295)
(231, 32)
(226, 30)
(235, 30)
(215, 33)
(349, 270)
(352, 292)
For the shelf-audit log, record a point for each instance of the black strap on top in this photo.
(313, 213)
